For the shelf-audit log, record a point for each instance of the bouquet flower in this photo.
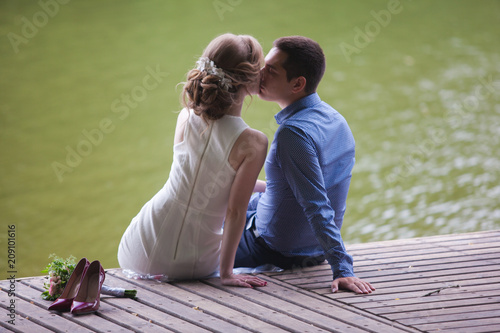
(59, 271)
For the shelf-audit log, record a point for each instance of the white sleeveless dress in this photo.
(178, 233)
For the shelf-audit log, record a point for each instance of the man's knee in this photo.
(254, 201)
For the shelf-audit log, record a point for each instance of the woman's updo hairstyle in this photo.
(240, 57)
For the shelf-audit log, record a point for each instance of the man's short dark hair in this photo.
(305, 58)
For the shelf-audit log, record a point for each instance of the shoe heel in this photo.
(87, 299)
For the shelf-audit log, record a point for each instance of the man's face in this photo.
(274, 85)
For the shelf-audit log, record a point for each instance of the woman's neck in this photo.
(235, 108)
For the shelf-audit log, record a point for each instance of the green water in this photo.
(88, 102)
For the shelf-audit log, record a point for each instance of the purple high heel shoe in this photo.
(87, 300)
(63, 302)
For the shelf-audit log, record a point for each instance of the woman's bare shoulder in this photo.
(250, 144)
(254, 137)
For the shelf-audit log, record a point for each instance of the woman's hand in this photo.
(240, 280)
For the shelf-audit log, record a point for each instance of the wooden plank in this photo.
(125, 319)
(181, 308)
(431, 266)
(465, 295)
(400, 289)
(23, 325)
(242, 307)
(422, 265)
(22, 320)
(484, 316)
(29, 305)
(136, 309)
(393, 275)
(418, 299)
(437, 239)
(156, 317)
(215, 307)
(4, 327)
(403, 271)
(246, 294)
(384, 291)
(463, 325)
(261, 318)
(422, 244)
(130, 320)
(458, 312)
(385, 268)
(413, 276)
(308, 306)
(418, 290)
(266, 309)
(106, 310)
(462, 236)
(434, 282)
(432, 305)
(474, 329)
(371, 266)
(414, 297)
(51, 321)
(427, 250)
(37, 310)
(427, 242)
(97, 323)
(413, 259)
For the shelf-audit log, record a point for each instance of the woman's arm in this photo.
(248, 154)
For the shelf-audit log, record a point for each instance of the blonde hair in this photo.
(241, 58)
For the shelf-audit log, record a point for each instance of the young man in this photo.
(296, 218)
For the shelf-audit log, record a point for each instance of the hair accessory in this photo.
(205, 64)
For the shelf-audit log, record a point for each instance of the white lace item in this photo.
(205, 64)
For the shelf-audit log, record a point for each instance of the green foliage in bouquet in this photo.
(59, 272)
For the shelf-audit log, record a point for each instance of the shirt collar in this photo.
(304, 102)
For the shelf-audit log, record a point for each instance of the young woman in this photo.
(191, 228)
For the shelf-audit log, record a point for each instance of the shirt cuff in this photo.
(342, 271)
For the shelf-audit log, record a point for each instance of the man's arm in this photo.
(299, 161)
(352, 283)
(260, 186)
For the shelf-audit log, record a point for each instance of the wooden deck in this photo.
(443, 283)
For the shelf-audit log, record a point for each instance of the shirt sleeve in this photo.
(298, 159)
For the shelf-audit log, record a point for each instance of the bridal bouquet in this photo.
(59, 271)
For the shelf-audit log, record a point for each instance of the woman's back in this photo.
(217, 160)
(179, 231)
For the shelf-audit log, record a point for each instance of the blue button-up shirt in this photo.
(308, 172)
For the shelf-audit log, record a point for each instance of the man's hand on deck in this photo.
(352, 283)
